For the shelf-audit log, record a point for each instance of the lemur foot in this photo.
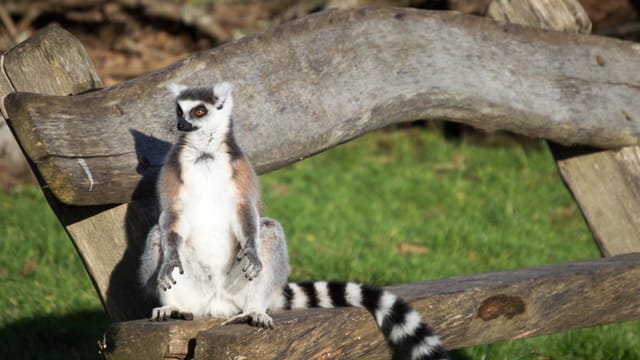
(164, 313)
(254, 319)
(165, 274)
(251, 264)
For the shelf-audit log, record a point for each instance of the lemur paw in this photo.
(251, 264)
(165, 274)
(254, 319)
(165, 313)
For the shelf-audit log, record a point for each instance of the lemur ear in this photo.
(176, 89)
(222, 91)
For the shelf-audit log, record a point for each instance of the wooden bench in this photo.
(97, 152)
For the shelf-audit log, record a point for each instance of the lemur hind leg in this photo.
(273, 277)
(148, 278)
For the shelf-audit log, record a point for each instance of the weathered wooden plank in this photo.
(606, 186)
(465, 311)
(144, 339)
(51, 62)
(327, 78)
(5, 88)
(68, 71)
(68, 67)
(603, 183)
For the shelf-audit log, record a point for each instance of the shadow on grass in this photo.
(72, 336)
(458, 355)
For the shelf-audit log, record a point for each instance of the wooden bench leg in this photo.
(606, 186)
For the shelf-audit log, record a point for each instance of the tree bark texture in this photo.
(322, 80)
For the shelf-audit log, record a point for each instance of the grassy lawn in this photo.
(392, 207)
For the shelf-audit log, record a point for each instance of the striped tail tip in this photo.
(407, 334)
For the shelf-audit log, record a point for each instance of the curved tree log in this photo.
(327, 78)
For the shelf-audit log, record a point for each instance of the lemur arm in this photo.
(172, 235)
(247, 219)
(173, 230)
(248, 237)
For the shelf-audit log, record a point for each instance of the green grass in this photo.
(358, 211)
(48, 308)
(392, 207)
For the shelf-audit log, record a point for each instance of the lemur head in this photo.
(203, 107)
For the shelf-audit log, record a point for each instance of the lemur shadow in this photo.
(458, 355)
(70, 336)
(126, 299)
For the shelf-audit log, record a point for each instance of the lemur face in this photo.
(205, 107)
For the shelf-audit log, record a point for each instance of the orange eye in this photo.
(200, 111)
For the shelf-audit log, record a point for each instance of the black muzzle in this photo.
(184, 125)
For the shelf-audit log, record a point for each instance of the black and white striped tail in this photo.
(406, 333)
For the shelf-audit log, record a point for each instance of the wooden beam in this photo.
(465, 311)
(144, 339)
(322, 80)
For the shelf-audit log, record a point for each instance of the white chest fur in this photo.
(209, 201)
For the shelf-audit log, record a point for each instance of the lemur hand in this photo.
(165, 274)
(251, 264)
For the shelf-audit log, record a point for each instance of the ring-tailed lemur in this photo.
(232, 263)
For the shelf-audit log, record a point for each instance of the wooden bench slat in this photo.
(466, 310)
(299, 93)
